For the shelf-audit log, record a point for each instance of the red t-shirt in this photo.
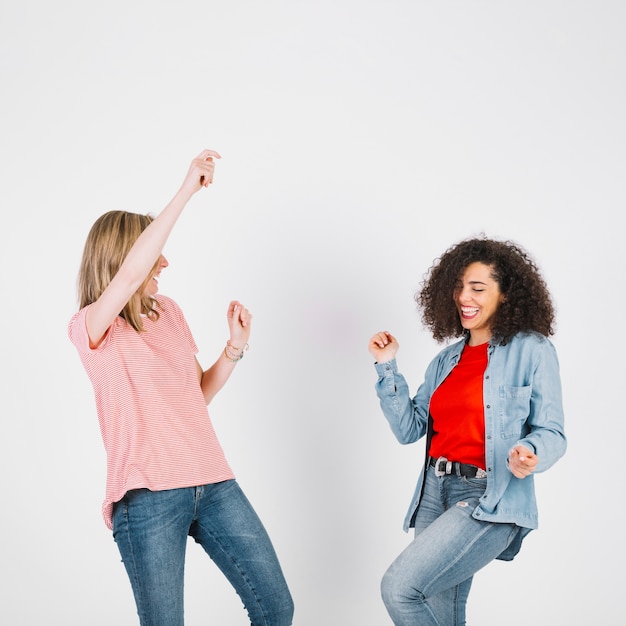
(153, 416)
(458, 411)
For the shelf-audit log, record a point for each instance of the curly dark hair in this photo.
(527, 305)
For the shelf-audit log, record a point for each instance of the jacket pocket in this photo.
(514, 411)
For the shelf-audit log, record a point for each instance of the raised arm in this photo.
(146, 250)
(408, 417)
(213, 379)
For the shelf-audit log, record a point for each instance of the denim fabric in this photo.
(151, 530)
(523, 405)
(428, 584)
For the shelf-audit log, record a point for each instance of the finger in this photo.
(526, 457)
(381, 339)
(531, 464)
(237, 312)
(245, 317)
(519, 472)
(204, 162)
(208, 153)
(389, 337)
(207, 177)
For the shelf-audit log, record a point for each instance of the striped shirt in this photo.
(155, 426)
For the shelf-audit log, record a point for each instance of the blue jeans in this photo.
(428, 584)
(151, 529)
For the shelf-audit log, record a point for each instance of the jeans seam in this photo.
(242, 572)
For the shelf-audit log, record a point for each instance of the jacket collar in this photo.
(455, 349)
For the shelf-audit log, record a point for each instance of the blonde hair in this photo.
(108, 242)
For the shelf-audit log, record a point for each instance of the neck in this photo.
(478, 338)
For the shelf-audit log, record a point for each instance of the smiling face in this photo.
(151, 286)
(477, 297)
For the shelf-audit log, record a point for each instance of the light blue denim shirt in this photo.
(523, 405)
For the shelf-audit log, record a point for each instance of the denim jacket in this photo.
(523, 405)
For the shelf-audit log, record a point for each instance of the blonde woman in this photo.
(167, 476)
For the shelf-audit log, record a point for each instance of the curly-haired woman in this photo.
(491, 410)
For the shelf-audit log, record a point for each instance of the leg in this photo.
(449, 606)
(231, 533)
(150, 529)
(429, 582)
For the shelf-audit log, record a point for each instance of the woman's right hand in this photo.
(383, 346)
(200, 173)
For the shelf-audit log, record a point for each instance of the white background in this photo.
(359, 140)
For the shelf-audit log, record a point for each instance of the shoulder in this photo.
(451, 350)
(529, 347)
(168, 306)
(530, 340)
(450, 353)
(77, 329)
(165, 302)
(172, 316)
(76, 316)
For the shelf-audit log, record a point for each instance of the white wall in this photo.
(359, 141)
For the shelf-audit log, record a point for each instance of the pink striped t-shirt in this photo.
(155, 426)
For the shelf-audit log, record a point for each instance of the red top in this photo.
(458, 412)
(153, 417)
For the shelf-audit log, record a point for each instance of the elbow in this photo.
(208, 394)
(405, 437)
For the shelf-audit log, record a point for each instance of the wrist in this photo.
(184, 194)
(234, 352)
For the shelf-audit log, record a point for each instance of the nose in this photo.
(163, 262)
(464, 294)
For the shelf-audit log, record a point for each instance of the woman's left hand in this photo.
(522, 461)
(239, 319)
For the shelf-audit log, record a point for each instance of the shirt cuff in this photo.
(388, 368)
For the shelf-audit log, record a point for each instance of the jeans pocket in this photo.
(120, 515)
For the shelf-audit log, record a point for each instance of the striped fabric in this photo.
(153, 417)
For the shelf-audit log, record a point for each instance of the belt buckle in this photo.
(480, 473)
(447, 470)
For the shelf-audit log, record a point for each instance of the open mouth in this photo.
(468, 312)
